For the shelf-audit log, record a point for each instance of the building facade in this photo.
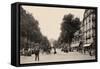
(86, 35)
(88, 28)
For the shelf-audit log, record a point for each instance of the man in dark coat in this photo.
(36, 52)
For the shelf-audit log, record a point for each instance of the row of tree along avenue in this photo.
(30, 34)
(69, 26)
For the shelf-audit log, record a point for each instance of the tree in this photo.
(68, 27)
(30, 32)
(45, 44)
(29, 29)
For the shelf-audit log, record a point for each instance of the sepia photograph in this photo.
(57, 34)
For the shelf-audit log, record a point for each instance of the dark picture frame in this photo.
(15, 33)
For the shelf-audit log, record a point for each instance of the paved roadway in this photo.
(60, 56)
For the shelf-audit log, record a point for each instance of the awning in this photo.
(86, 45)
(75, 45)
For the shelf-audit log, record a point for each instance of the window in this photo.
(93, 17)
(89, 18)
(88, 26)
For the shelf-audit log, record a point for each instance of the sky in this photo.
(50, 18)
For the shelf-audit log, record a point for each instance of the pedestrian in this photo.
(36, 52)
(54, 50)
(91, 49)
(80, 46)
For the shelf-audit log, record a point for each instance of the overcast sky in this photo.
(50, 18)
